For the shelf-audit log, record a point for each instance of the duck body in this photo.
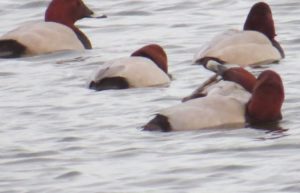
(240, 47)
(134, 71)
(44, 37)
(147, 66)
(254, 45)
(223, 107)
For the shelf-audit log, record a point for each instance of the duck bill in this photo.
(88, 13)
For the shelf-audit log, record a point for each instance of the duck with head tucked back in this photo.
(238, 99)
(56, 33)
(255, 45)
(146, 67)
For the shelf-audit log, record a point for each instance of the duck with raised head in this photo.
(58, 32)
(254, 45)
(236, 100)
(146, 67)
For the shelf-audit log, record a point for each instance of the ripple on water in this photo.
(58, 136)
(69, 175)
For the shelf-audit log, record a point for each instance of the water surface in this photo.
(58, 136)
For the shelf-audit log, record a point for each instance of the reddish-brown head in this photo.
(67, 12)
(240, 76)
(260, 19)
(267, 98)
(155, 53)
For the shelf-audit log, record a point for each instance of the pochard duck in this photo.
(255, 45)
(56, 33)
(233, 102)
(146, 67)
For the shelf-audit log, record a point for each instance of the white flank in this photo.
(241, 47)
(139, 72)
(45, 37)
(223, 107)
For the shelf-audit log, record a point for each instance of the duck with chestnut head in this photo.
(254, 45)
(57, 33)
(235, 100)
(146, 67)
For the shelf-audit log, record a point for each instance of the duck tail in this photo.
(11, 49)
(109, 84)
(158, 123)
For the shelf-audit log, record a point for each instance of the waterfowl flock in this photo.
(232, 98)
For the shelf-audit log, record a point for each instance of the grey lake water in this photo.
(58, 136)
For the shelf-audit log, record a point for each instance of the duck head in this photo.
(260, 19)
(155, 53)
(240, 76)
(67, 12)
(267, 99)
